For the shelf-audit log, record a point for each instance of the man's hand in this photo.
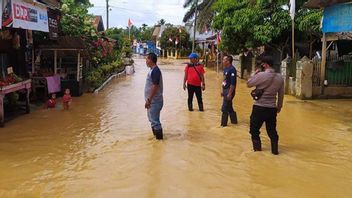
(203, 87)
(184, 86)
(278, 110)
(147, 104)
(229, 97)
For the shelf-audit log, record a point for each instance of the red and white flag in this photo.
(130, 23)
(218, 38)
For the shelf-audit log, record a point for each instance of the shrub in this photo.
(95, 79)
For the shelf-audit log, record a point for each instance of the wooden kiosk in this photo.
(66, 58)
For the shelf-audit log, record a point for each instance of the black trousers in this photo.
(227, 106)
(194, 89)
(258, 117)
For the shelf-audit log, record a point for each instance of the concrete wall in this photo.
(300, 86)
(304, 80)
(332, 92)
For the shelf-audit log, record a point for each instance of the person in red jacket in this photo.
(51, 103)
(194, 81)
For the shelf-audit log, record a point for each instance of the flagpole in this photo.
(292, 13)
(293, 39)
(129, 33)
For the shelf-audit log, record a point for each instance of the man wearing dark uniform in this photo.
(228, 91)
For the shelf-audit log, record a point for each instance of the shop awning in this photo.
(64, 43)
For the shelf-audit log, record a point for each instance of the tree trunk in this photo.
(311, 41)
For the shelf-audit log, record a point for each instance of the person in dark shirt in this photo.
(153, 95)
(228, 91)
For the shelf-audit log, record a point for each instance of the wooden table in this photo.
(13, 88)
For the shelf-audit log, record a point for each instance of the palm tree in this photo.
(205, 12)
(161, 22)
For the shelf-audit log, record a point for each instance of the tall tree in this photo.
(249, 23)
(75, 19)
(308, 22)
(161, 22)
(205, 13)
(145, 33)
(171, 35)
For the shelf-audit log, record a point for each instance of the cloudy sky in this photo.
(140, 11)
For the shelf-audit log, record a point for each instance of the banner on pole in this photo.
(218, 38)
(292, 8)
(27, 16)
(129, 23)
(54, 20)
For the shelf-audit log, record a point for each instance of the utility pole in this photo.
(107, 14)
(195, 27)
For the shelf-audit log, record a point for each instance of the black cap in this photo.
(266, 59)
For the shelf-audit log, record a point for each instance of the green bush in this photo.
(199, 50)
(185, 52)
(95, 79)
(127, 51)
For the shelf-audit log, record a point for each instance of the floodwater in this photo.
(103, 147)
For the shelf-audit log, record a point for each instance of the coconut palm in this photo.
(205, 13)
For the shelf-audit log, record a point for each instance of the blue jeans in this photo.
(154, 115)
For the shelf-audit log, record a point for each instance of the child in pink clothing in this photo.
(66, 99)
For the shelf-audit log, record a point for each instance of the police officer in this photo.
(266, 108)
(228, 91)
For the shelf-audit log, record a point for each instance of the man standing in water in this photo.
(228, 91)
(265, 109)
(194, 81)
(153, 94)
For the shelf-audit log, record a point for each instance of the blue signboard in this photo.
(338, 18)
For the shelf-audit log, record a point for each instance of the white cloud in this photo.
(140, 11)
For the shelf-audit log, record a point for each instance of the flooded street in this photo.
(104, 147)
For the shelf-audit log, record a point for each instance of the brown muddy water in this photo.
(103, 147)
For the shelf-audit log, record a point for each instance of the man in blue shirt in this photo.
(153, 95)
(228, 91)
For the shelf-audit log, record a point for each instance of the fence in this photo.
(316, 72)
(338, 71)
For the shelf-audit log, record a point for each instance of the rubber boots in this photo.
(190, 107)
(153, 131)
(233, 117)
(257, 145)
(201, 108)
(275, 147)
(224, 118)
(159, 134)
